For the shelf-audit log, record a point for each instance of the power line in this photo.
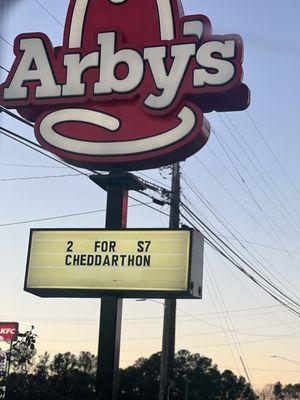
(268, 311)
(219, 296)
(221, 220)
(275, 297)
(145, 338)
(246, 372)
(30, 166)
(164, 186)
(243, 180)
(63, 216)
(6, 41)
(148, 205)
(268, 218)
(48, 12)
(282, 302)
(240, 204)
(33, 146)
(280, 282)
(273, 154)
(38, 177)
(193, 190)
(259, 162)
(15, 116)
(221, 321)
(51, 218)
(36, 147)
(209, 233)
(196, 346)
(216, 314)
(268, 291)
(4, 69)
(266, 246)
(286, 359)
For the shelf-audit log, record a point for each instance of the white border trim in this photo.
(167, 29)
(77, 23)
(115, 148)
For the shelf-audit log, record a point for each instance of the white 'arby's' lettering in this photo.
(167, 82)
(108, 81)
(75, 68)
(212, 64)
(224, 69)
(34, 66)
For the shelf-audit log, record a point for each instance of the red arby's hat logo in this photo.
(129, 85)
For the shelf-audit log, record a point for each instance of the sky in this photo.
(247, 174)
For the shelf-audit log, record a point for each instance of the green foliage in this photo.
(277, 391)
(23, 351)
(66, 377)
(292, 392)
(70, 377)
(195, 378)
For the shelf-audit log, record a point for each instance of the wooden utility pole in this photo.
(168, 343)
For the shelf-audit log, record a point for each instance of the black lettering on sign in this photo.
(143, 246)
(69, 246)
(68, 259)
(105, 246)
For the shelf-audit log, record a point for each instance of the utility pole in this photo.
(168, 343)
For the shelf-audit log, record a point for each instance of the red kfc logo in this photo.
(129, 85)
(9, 331)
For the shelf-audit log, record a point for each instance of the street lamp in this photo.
(153, 301)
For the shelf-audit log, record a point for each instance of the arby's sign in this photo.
(129, 86)
(9, 331)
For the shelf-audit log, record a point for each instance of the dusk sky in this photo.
(246, 187)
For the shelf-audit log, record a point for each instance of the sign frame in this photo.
(193, 289)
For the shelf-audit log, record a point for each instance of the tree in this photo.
(23, 351)
(66, 377)
(71, 377)
(277, 391)
(292, 392)
(195, 376)
(141, 381)
(248, 393)
(42, 367)
(87, 363)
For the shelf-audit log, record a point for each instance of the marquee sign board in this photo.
(9, 331)
(125, 263)
(129, 85)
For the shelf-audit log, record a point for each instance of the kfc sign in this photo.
(9, 331)
(129, 85)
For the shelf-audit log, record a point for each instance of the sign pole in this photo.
(107, 378)
(9, 360)
(117, 185)
(168, 344)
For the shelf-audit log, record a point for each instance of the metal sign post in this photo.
(117, 185)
